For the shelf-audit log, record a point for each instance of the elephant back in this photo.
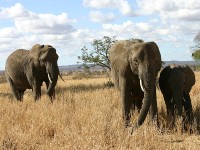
(16, 59)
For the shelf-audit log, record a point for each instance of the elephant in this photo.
(134, 67)
(175, 83)
(27, 69)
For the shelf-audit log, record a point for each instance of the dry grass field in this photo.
(86, 115)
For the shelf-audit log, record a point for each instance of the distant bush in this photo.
(195, 67)
(82, 75)
(90, 75)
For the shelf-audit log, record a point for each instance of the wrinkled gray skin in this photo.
(175, 83)
(27, 69)
(135, 63)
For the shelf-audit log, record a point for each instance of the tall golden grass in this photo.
(86, 115)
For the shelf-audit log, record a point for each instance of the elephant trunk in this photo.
(147, 82)
(53, 72)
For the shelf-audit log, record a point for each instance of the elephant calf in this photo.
(27, 69)
(175, 83)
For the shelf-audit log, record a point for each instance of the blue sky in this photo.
(69, 25)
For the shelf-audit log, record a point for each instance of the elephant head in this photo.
(44, 57)
(175, 83)
(134, 66)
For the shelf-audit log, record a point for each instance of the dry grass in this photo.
(86, 115)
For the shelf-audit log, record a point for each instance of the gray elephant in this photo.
(175, 83)
(134, 67)
(27, 69)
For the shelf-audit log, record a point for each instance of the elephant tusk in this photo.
(141, 85)
(49, 78)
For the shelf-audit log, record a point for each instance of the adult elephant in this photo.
(175, 83)
(134, 67)
(27, 69)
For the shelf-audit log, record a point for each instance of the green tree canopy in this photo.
(196, 48)
(98, 54)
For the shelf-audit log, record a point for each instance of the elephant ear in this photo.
(35, 54)
(190, 78)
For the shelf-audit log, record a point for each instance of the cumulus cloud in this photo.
(100, 3)
(151, 30)
(45, 24)
(122, 5)
(171, 9)
(29, 22)
(17, 10)
(97, 16)
(29, 28)
(164, 21)
(129, 29)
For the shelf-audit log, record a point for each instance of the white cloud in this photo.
(152, 30)
(9, 33)
(129, 29)
(97, 16)
(164, 21)
(30, 28)
(171, 9)
(28, 22)
(15, 11)
(45, 24)
(122, 5)
(100, 3)
(149, 7)
(125, 8)
(182, 15)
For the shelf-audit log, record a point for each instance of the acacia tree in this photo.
(98, 55)
(196, 47)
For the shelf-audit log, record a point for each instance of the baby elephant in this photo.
(175, 83)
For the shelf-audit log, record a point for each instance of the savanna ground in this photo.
(86, 114)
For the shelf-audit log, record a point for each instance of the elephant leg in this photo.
(153, 109)
(169, 104)
(17, 92)
(21, 94)
(170, 108)
(37, 92)
(127, 102)
(188, 107)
